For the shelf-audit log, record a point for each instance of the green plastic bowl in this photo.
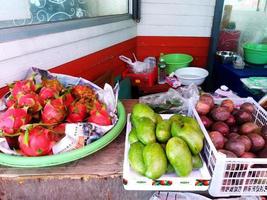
(51, 160)
(177, 60)
(255, 53)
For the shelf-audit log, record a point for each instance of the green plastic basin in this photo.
(51, 160)
(255, 53)
(177, 60)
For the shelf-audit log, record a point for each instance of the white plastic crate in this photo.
(235, 176)
(198, 180)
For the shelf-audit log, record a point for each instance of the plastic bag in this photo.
(137, 67)
(172, 101)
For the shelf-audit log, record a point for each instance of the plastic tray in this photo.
(197, 181)
(51, 160)
(235, 176)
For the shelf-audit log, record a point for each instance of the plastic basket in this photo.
(142, 79)
(235, 176)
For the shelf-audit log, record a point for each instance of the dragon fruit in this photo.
(99, 114)
(53, 84)
(68, 99)
(12, 119)
(77, 111)
(36, 141)
(47, 93)
(54, 111)
(31, 100)
(100, 118)
(83, 91)
(22, 87)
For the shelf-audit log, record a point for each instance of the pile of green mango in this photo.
(159, 146)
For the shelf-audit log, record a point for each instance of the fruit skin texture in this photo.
(135, 156)
(77, 112)
(179, 156)
(189, 134)
(82, 91)
(132, 138)
(54, 84)
(155, 160)
(163, 131)
(47, 93)
(30, 100)
(100, 118)
(12, 119)
(145, 130)
(197, 162)
(143, 110)
(54, 111)
(36, 142)
(22, 87)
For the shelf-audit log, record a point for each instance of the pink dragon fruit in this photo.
(12, 119)
(83, 91)
(10, 102)
(47, 93)
(53, 84)
(30, 100)
(68, 99)
(22, 87)
(54, 111)
(77, 111)
(36, 141)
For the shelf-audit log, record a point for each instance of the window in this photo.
(56, 15)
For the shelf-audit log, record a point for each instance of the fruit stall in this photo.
(56, 131)
(131, 99)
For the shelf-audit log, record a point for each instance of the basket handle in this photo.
(125, 59)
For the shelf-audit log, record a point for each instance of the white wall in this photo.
(52, 50)
(176, 18)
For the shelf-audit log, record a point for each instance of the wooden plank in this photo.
(176, 20)
(177, 9)
(154, 30)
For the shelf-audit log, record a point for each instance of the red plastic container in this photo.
(144, 79)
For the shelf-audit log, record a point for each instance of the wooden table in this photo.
(98, 176)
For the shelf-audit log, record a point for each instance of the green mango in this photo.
(194, 124)
(132, 138)
(197, 162)
(145, 130)
(135, 156)
(158, 118)
(170, 168)
(163, 131)
(142, 110)
(155, 161)
(175, 118)
(186, 132)
(179, 156)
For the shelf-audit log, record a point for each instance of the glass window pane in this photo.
(20, 12)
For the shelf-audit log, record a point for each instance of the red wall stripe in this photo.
(154, 45)
(95, 64)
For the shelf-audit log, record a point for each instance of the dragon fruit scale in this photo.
(47, 93)
(12, 120)
(36, 141)
(77, 111)
(53, 84)
(31, 100)
(22, 87)
(83, 91)
(54, 111)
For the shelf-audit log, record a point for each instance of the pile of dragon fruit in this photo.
(36, 113)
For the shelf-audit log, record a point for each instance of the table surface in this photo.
(107, 162)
